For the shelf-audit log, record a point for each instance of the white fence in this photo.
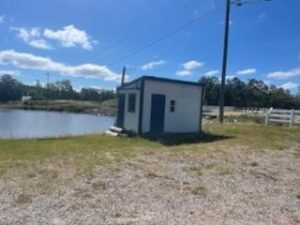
(291, 117)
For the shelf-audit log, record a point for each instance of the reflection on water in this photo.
(32, 124)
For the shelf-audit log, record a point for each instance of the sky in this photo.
(89, 41)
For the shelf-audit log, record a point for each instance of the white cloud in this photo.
(183, 73)
(246, 71)
(230, 77)
(10, 72)
(289, 86)
(152, 65)
(267, 82)
(32, 37)
(96, 87)
(29, 61)
(70, 36)
(40, 43)
(284, 74)
(211, 73)
(192, 65)
(27, 34)
(2, 19)
(188, 67)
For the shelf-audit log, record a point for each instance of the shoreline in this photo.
(105, 108)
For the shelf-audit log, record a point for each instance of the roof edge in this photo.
(163, 79)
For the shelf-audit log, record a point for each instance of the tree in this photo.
(254, 94)
(212, 89)
(94, 94)
(10, 89)
(60, 90)
(281, 98)
(235, 92)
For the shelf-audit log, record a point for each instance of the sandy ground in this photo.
(233, 186)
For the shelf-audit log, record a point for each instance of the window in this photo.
(172, 106)
(131, 103)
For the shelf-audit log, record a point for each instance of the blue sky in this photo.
(88, 41)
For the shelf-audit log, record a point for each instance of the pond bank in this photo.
(106, 108)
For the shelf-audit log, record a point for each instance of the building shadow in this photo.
(171, 139)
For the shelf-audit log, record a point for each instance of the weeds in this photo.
(24, 199)
(99, 185)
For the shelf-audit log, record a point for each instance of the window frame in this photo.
(172, 105)
(131, 105)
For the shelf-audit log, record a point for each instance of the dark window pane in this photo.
(172, 106)
(131, 102)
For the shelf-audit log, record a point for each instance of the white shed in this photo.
(160, 105)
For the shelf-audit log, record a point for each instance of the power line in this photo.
(152, 42)
(133, 29)
(170, 49)
(156, 41)
(242, 2)
(205, 48)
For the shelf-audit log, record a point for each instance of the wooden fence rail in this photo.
(291, 117)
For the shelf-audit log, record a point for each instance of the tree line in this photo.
(251, 94)
(13, 90)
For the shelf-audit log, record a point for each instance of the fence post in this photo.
(267, 117)
(292, 119)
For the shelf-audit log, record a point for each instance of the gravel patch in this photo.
(234, 186)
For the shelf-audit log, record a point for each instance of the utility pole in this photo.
(123, 75)
(47, 91)
(225, 50)
(224, 65)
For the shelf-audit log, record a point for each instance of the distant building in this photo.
(160, 105)
(26, 98)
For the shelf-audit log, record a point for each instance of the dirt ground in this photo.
(233, 186)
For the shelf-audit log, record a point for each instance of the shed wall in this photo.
(131, 119)
(186, 117)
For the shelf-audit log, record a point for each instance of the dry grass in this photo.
(250, 178)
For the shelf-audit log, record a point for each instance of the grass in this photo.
(256, 135)
(86, 152)
(186, 138)
(99, 185)
(23, 199)
(199, 191)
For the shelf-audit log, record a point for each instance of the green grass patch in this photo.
(23, 199)
(86, 152)
(256, 135)
(83, 152)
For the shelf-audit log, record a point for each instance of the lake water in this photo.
(36, 124)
